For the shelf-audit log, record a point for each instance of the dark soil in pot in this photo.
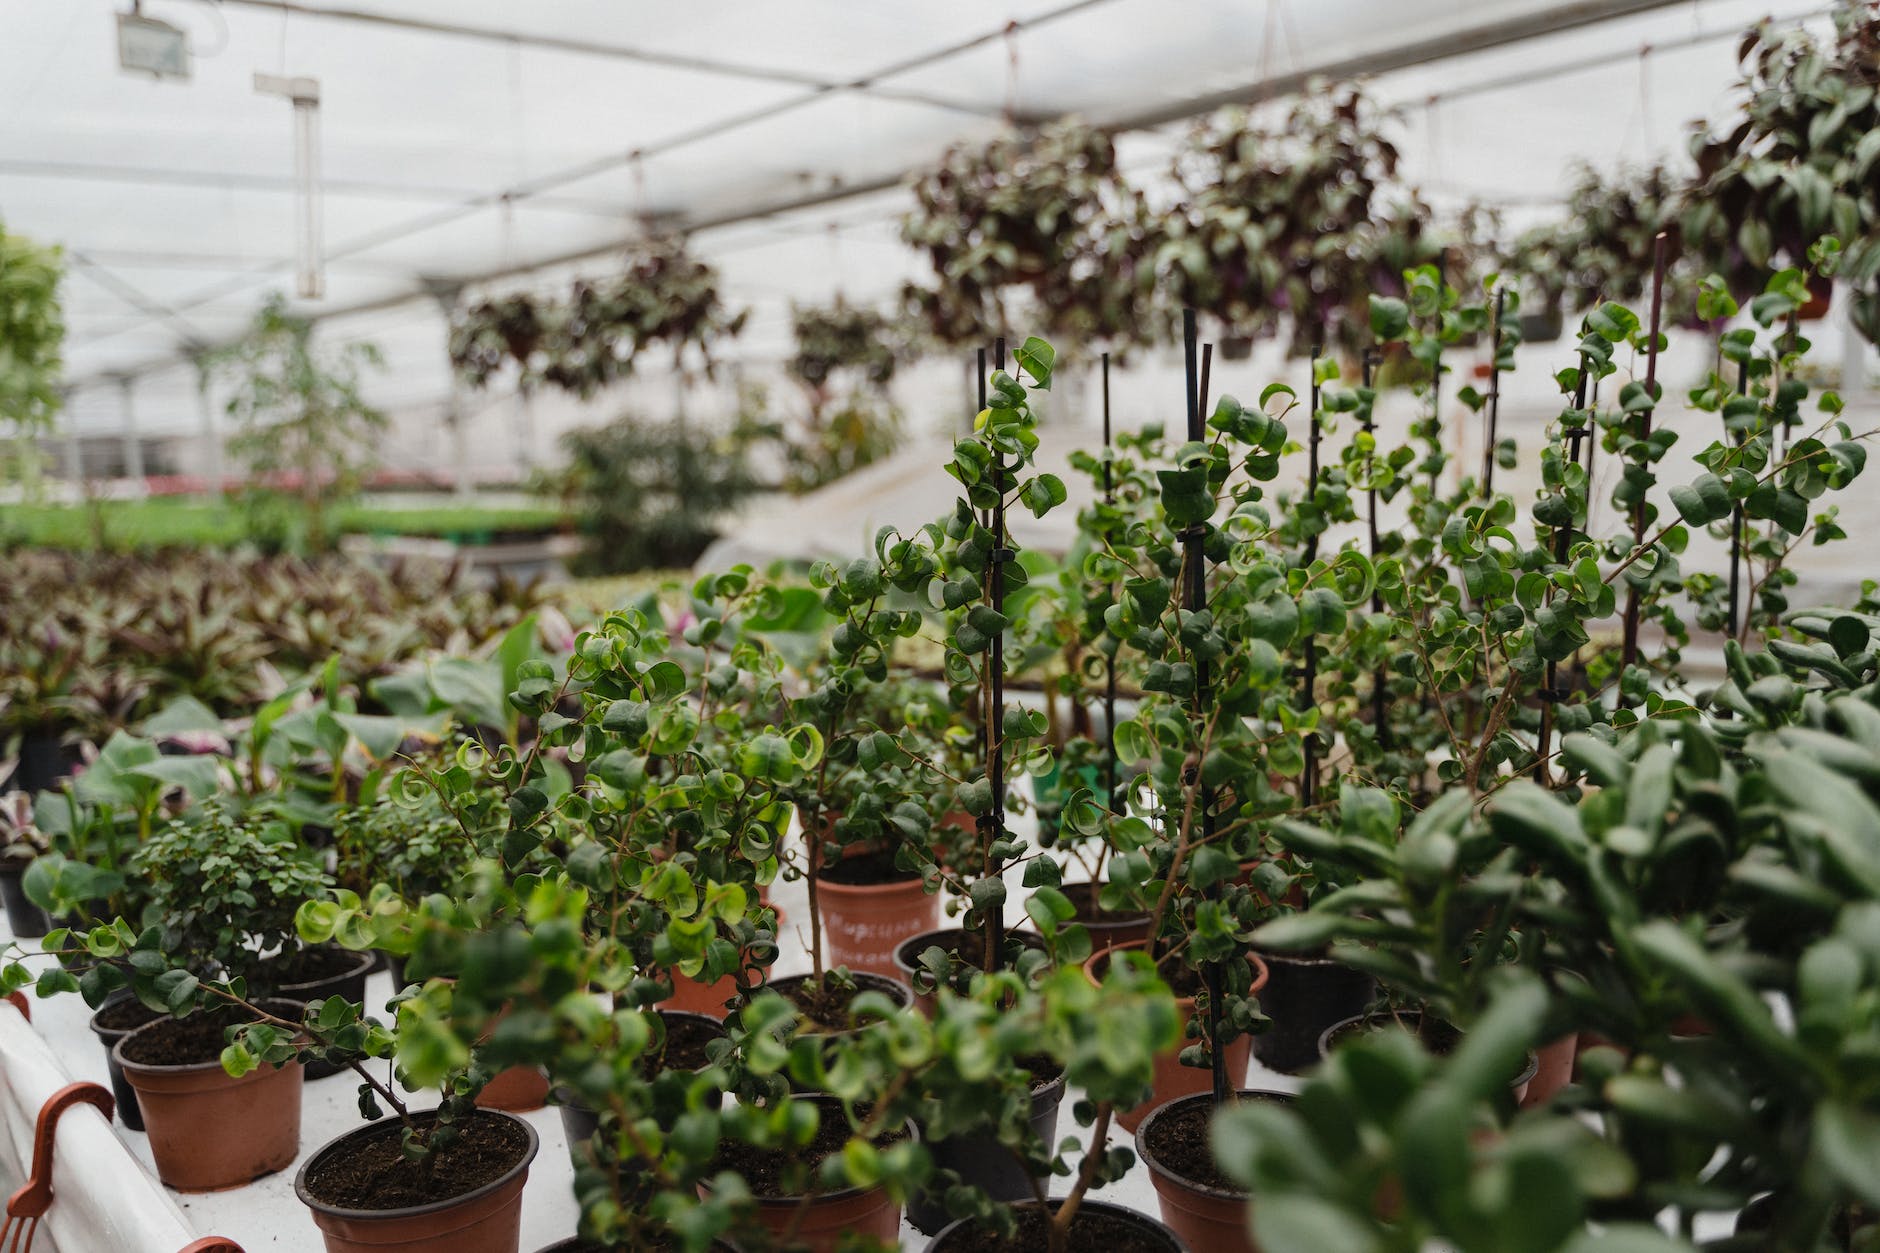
(1177, 1136)
(314, 974)
(1097, 1225)
(1303, 996)
(188, 1041)
(826, 1008)
(779, 1174)
(371, 1172)
(26, 920)
(866, 869)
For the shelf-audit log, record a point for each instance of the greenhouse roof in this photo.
(481, 140)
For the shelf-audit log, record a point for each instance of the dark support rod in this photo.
(1109, 665)
(1660, 252)
(1195, 596)
(1378, 677)
(1563, 540)
(1493, 410)
(1309, 680)
(1736, 522)
(995, 759)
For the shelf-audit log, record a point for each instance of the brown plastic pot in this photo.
(517, 1090)
(485, 1220)
(1554, 1069)
(1412, 1021)
(954, 1236)
(209, 1130)
(863, 923)
(1172, 1079)
(1206, 1217)
(826, 1221)
(1107, 930)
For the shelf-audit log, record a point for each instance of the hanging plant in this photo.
(1047, 214)
(1602, 248)
(32, 331)
(1801, 162)
(595, 337)
(1300, 222)
(841, 337)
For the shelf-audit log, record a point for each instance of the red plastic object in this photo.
(211, 1244)
(18, 1001)
(28, 1205)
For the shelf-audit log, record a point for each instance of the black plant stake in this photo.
(1493, 411)
(995, 759)
(1436, 369)
(1195, 594)
(1378, 678)
(1309, 680)
(1563, 540)
(1109, 667)
(1660, 249)
(1736, 518)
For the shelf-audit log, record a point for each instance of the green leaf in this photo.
(1037, 358)
(1847, 1140)
(1290, 1223)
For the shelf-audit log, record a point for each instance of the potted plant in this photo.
(1198, 1200)
(20, 844)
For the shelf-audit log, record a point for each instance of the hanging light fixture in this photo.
(304, 94)
(149, 46)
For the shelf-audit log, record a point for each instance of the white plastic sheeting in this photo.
(452, 156)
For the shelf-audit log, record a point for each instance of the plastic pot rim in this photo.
(413, 1211)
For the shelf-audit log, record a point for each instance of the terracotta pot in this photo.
(128, 1112)
(827, 1221)
(486, 1220)
(689, 996)
(1554, 1071)
(1206, 1217)
(1145, 1226)
(1107, 930)
(517, 1090)
(864, 923)
(1172, 1079)
(907, 957)
(209, 1130)
(1411, 1021)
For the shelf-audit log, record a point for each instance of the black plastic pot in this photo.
(985, 1163)
(579, 1123)
(128, 1112)
(349, 985)
(1147, 1226)
(27, 920)
(1303, 996)
(43, 762)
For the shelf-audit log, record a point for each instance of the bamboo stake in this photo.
(1660, 249)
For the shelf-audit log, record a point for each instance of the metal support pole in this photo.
(133, 446)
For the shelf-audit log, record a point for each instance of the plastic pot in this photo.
(1554, 1069)
(1206, 1217)
(209, 1130)
(907, 955)
(1107, 930)
(128, 1111)
(1172, 1079)
(579, 1123)
(485, 1220)
(1144, 1226)
(828, 1219)
(1412, 1022)
(1303, 996)
(44, 761)
(863, 923)
(985, 1163)
(517, 1090)
(348, 985)
(26, 920)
